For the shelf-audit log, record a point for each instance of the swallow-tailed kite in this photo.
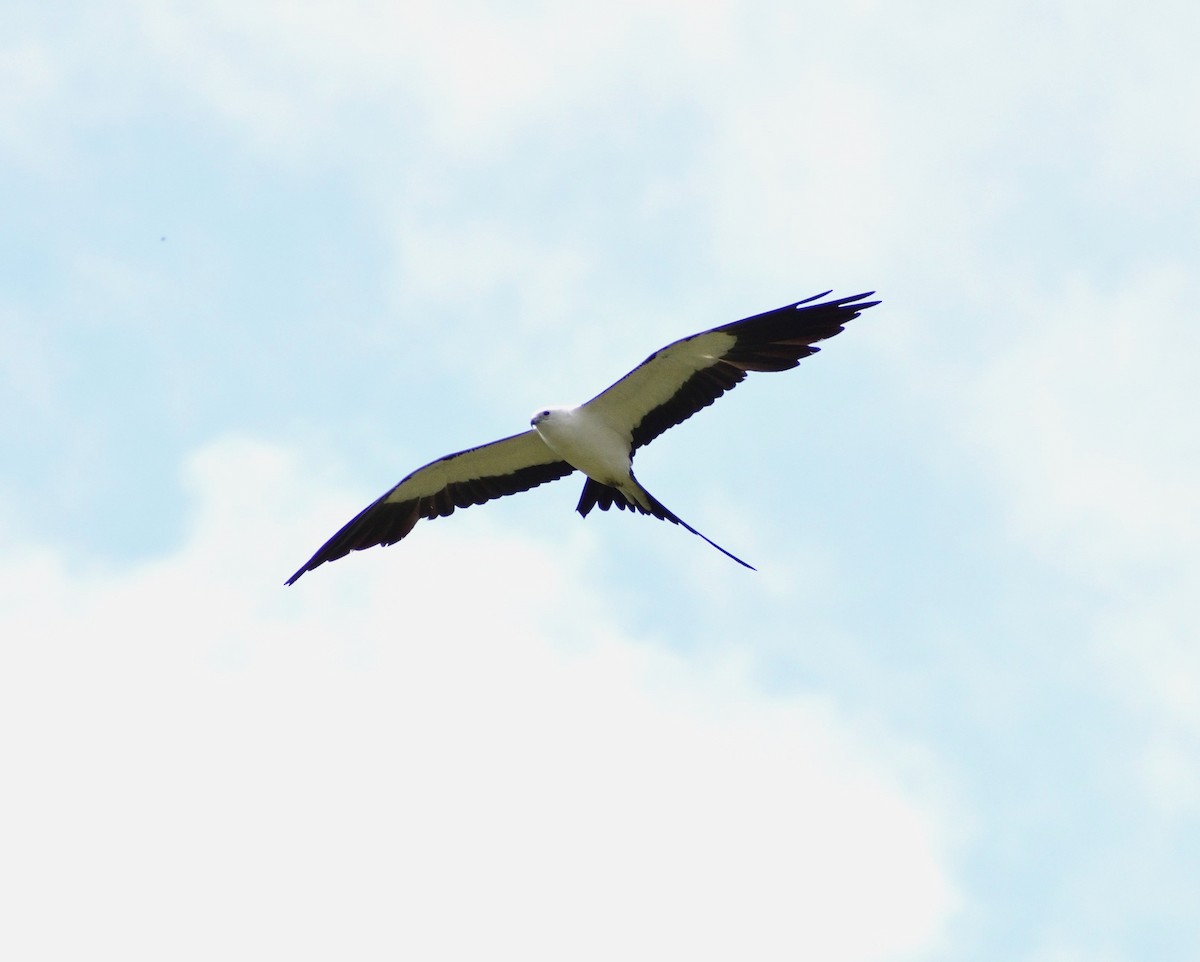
(600, 437)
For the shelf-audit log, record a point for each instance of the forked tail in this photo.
(603, 496)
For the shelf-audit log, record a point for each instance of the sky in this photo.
(261, 259)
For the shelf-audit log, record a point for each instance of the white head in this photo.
(549, 414)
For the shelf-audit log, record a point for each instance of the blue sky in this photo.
(260, 260)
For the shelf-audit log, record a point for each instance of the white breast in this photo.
(585, 442)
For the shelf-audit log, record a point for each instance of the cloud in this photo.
(429, 752)
(468, 75)
(28, 84)
(352, 766)
(1084, 414)
(1083, 425)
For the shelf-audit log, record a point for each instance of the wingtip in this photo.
(856, 303)
(851, 301)
(854, 298)
(307, 567)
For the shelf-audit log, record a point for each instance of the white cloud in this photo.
(797, 176)
(468, 74)
(428, 752)
(1087, 415)
(478, 273)
(29, 82)
(1084, 425)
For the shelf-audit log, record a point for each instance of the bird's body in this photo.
(601, 436)
(586, 442)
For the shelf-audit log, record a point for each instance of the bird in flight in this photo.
(600, 436)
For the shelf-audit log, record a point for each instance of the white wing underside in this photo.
(656, 380)
(497, 459)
